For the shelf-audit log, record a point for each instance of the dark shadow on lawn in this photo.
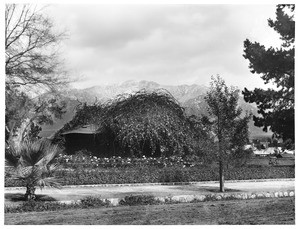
(194, 188)
(226, 190)
(16, 197)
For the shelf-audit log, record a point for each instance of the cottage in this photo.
(82, 138)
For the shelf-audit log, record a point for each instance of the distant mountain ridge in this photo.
(191, 97)
(182, 92)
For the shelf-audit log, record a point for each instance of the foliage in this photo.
(288, 144)
(230, 130)
(32, 67)
(240, 157)
(84, 115)
(41, 206)
(275, 66)
(93, 201)
(174, 174)
(33, 165)
(139, 200)
(25, 115)
(143, 123)
(35, 206)
(154, 174)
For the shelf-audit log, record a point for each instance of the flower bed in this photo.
(85, 160)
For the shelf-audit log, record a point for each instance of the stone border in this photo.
(205, 197)
(154, 184)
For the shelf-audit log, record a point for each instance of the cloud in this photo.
(170, 44)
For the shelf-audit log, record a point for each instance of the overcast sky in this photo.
(168, 44)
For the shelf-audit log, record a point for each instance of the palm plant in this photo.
(33, 163)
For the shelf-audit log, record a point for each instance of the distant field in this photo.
(238, 212)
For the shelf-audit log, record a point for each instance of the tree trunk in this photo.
(30, 193)
(221, 176)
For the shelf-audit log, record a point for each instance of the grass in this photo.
(256, 211)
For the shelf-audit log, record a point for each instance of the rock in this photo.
(219, 197)
(114, 201)
(199, 197)
(160, 199)
(268, 195)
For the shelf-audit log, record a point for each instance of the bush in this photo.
(87, 202)
(139, 200)
(93, 201)
(40, 206)
(36, 206)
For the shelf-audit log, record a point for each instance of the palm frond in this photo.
(32, 162)
(24, 172)
(49, 182)
(32, 152)
(49, 155)
(54, 167)
(12, 156)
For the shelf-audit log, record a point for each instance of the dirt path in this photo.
(256, 211)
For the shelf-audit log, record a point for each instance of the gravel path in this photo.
(114, 191)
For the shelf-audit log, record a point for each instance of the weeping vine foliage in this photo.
(143, 123)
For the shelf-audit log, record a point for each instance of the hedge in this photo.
(154, 174)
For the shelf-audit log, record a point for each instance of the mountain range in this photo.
(191, 97)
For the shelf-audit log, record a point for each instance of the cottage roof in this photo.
(86, 129)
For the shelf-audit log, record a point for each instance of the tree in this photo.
(144, 123)
(33, 164)
(275, 66)
(31, 56)
(230, 130)
(25, 115)
(32, 68)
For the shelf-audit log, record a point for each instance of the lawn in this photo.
(255, 211)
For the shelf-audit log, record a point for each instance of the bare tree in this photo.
(31, 54)
(31, 64)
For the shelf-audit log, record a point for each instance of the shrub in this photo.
(138, 200)
(154, 174)
(93, 201)
(40, 206)
(36, 206)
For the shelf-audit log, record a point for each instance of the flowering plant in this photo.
(86, 160)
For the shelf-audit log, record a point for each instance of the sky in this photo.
(169, 44)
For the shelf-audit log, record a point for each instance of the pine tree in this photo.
(276, 66)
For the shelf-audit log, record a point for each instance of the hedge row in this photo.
(152, 174)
